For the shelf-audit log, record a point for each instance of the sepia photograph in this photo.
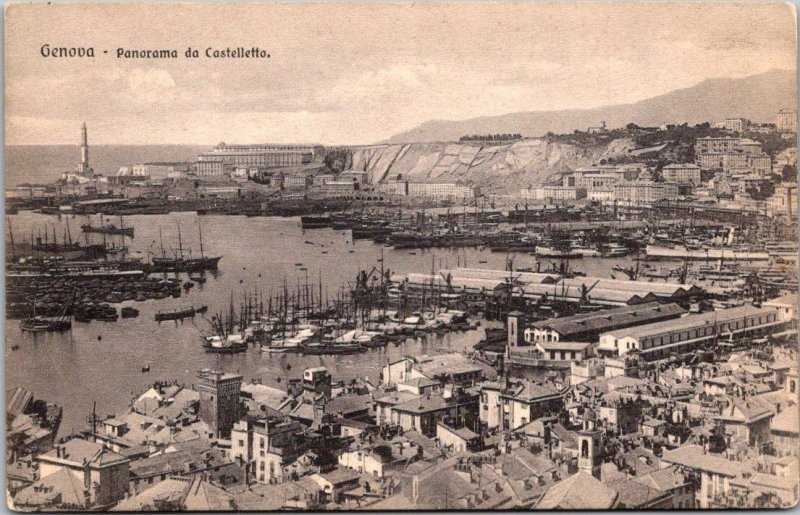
(401, 256)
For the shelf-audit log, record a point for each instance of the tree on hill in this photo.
(789, 173)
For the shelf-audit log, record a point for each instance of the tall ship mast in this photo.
(180, 263)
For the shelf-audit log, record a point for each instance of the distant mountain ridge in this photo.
(757, 97)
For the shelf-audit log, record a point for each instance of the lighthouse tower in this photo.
(84, 166)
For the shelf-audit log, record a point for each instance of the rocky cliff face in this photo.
(496, 168)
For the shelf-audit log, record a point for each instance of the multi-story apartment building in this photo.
(296, 181)
(722, 160)
(787, 157)
(716, 144)
(440, 190)
(786, 120)
(711, 144)
(601, 194)
(644, 192)
(737, 124)
(514, 405)
(264, 446)
(784, 201)
(749, 146)
(558, 193)
(681, 172)
(223, 157)
(760, 164)
(399, 188)
(600, 176)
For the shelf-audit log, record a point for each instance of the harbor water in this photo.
(102, 361)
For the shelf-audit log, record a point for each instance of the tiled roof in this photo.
(787, 421)
(420, 382)
(63, 483)
(396, 398)
(80, 451)
(190, 455)
(346, 404)
(578, 492)
(633, 494)
(567, 437)
(423, 404)
(692, 456)
(267, 395)
(665, 479)
(751, 408)
(530, 391)
(339, 475)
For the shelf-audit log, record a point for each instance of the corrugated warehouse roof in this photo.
(691, 322)
(616, 317)
(613, 296)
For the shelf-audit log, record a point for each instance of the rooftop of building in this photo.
(187, 457)
(339, 475)
(790, 300)
(691, 322)
(529, 391)
(78, 452)
(218, 375)
(423, 404)
(694, 457)
(63, 486)
(600, 320)
(345, 405)
(421, 382)
(565, 346)
(787, 421)
(580, 491)
(747, 410)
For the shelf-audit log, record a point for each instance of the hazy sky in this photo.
(358, 73)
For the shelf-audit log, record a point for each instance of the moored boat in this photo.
(324, 348)
(175, 315)
(232, 344)
(39, 324)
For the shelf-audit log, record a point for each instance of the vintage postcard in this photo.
(401, 256)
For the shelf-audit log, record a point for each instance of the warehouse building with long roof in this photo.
(656, 341)
(475, 283)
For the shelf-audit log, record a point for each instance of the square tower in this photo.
(219, 400)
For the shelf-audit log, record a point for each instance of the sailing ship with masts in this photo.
(226, 336)
(60, 323)
(180, 262)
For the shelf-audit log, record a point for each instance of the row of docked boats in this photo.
(398, 236)
(328, 336)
